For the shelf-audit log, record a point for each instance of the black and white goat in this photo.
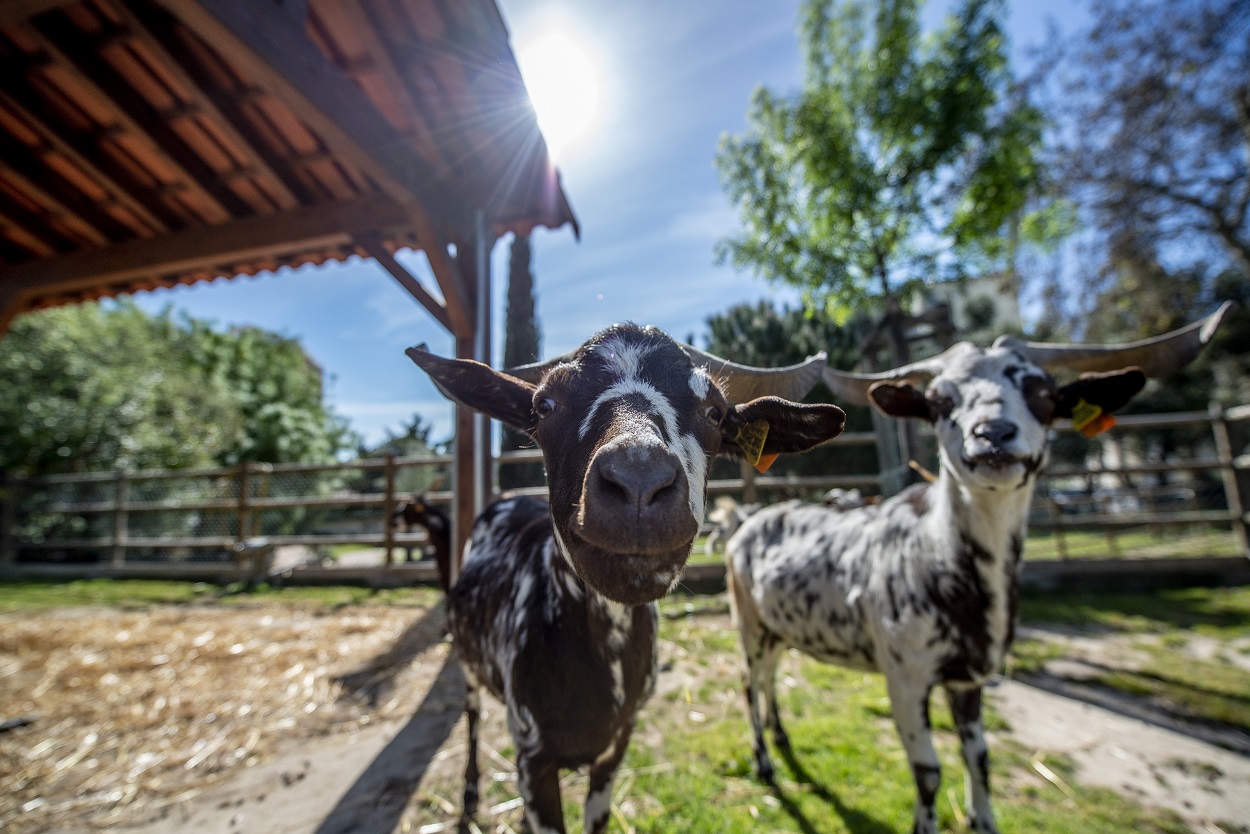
(553, 611)
(726, 517)
(923, 587)
(419, 512)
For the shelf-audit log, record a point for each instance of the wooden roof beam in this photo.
(22, 166)
(54, 142)
(17, 11)
(373, 246)
(268, 44)
(125, 125)
(25, 99)
(20, 234)
(309, 228)
(135, 114)
(175, 62)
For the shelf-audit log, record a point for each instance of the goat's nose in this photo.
(995, 432)
(638, 476)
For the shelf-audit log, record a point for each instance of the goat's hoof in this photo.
(981, 826)
(766, 774)
(781, 739)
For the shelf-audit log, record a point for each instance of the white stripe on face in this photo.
(659, 404)
(700, 382)
(694, 461)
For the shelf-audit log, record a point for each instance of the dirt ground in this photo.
(359, 729)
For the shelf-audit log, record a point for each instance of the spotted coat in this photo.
(923, 586)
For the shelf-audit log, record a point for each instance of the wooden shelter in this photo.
(150, 143)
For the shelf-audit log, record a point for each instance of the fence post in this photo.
(245, 501)
(8, 521)
(1236, 490)
(120, 497)
(388, 530)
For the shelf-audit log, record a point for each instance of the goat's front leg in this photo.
(909, 701)
(761, 666)
(472, 711)
(539, 781)
(966, 710)
(602, 776)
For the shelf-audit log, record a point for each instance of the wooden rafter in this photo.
(71, 48)
(206, 106)
(260, 40)
(21, 167)
(375, 249)
(311, 228)
(55, 143)
(20, 232)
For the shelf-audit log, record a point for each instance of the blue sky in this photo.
(674, 77)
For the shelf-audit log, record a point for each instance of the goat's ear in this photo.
(480, 388)
(792, 427)
(1109, 391)
(899, 399)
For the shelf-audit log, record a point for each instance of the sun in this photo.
(563, 85)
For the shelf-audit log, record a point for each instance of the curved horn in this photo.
(534, 372)
(853, 387)
(743, 383)
(740, 383)
(1157, 357)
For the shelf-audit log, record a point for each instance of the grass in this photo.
(848, 772)
(1172, 647)
(689, 768)
(1084, 544)
(131, 594)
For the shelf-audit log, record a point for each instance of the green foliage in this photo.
(107, 386)
(759, 334)
(901, 157)
(90, 387)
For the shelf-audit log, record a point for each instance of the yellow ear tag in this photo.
(750, 440)
(1090, 420)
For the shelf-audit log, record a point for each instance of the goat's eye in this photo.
(713, 414)
(544, 406)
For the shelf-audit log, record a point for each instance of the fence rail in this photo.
(182, 518)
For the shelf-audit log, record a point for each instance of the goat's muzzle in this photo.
(634, 528)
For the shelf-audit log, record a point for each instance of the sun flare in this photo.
(563, 85)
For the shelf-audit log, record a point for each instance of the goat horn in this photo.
(743, 383)
(1157, 357)
(740, 383)
(853, 387)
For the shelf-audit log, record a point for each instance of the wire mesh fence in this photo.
(1156, 486)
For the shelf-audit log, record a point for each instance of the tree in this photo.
(902, 160)
(1153, 105)
(521, 345)
(107, 386)
(759, 334)
(277, 388)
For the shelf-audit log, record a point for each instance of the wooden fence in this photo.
(181, 522)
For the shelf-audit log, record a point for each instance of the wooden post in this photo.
(1236, 488)
(462, 472)
(388, 530)
(245, 501)
(8, 521)
(120, 519)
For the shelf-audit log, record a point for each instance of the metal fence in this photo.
(1189, 479)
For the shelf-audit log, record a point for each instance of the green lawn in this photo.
(38, 595)
(1178, 648)
(689, 767)
(1083, 544)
